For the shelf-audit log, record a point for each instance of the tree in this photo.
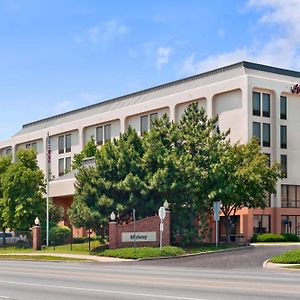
(243, 179)
(23, 188)
(89, 150)
(5, 162)
(115, 184)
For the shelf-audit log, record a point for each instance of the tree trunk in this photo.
(228, 230)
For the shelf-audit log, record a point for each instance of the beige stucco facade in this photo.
(226, 92)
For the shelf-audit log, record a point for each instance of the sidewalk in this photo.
(78, 256)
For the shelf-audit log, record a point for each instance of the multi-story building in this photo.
(250, 99)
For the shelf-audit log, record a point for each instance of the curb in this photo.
(197, 254)
(269, 265)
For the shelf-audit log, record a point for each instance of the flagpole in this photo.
(48, 175)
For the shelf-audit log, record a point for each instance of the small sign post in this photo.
(162, 215)
(217, 207)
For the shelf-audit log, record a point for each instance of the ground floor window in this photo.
(234, 228)
(261, 224)
(290, 224)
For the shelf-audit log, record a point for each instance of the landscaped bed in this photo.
(289, 257)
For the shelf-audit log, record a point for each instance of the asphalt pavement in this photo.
(25, 280)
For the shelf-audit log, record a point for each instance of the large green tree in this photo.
(22, 187)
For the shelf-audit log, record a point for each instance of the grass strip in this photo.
(289, 257)
(39, 258)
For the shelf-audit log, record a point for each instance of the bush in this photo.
(58, 234)
(290, 257)
(270, 237)
(290, 237)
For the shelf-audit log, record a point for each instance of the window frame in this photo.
(266, 142)
(68, 138)
(253, 126)
(266, 113)
(256, 112)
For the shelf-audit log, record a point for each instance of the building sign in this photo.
(296, 88)
(128, 237)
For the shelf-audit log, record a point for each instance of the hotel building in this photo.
(250, 99)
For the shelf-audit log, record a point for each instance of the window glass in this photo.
(266, 105)
(284, 196)
(68, 164)
(283, 137)
(152, 118)
(261, 224)
(283, 107)
(269, 158)
(99, 135)
(144, 124)
(68, 143)
(61, 167)
(283, 162)
(291, 196)
(266, 135)
(256, 103)
(107, 133)
(256, 131)
(61, 144)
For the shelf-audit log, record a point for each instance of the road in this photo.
(24, 280)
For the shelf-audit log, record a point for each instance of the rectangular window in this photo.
(256, 131)
(283, 108)
(266, 135)
(266, 105)
(68, 164)
(256, 103)
(283, 162)
(61, 144)
(144, 124)
(107, 133)
(283, 136)
(61, 167)
(153, 117)
(261, 224)
(68, 142)
(99, 135)
(284, 196)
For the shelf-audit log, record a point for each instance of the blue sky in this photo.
(59, 55)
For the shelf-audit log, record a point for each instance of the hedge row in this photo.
(275, 237)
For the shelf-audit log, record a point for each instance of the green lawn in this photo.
(289, 257)
(76, 249)
(130, 253)
(208, 248)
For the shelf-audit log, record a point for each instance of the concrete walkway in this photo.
(76, 256)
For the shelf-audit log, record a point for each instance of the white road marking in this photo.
(98, 291)
(3, 297)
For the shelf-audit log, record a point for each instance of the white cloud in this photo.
(103, 34)
(163, 56)
(281, 49)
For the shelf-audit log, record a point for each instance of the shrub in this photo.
(270, 237)
(291, 237)
(58, 234)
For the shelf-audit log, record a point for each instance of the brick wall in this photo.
(150, 224)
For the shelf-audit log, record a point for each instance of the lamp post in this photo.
(112, 216)
(37, 221)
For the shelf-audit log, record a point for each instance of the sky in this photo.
(60, 55)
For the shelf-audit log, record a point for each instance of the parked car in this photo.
(11, 239)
